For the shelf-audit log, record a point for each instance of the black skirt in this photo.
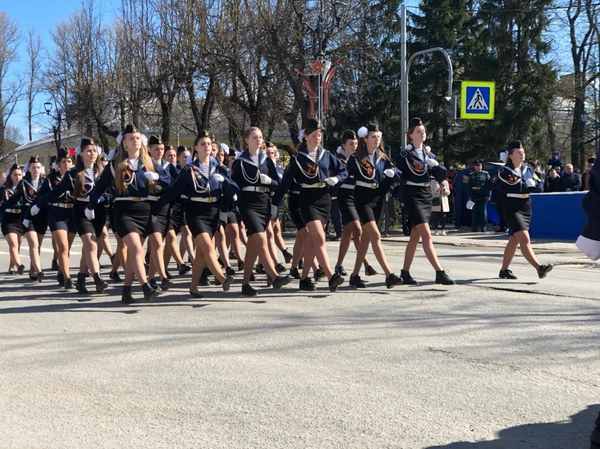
(161, 225)
(315, 204)
(12, 224)
(39, 223)
(417, 203)
(231, 217)
(85, 226)
(176, 219)
(517, 214)
(346, 206)
(202, 217)
(61, 219)
(295, 212)
(131, 216)
(254, 211)
(369, 203)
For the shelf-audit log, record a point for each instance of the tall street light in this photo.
(55, 128)
(320, 63)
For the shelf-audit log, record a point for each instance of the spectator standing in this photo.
(570, 181)
(477, 179)
(553, 183)
(585, 179)
(555, 160)
(440, 205)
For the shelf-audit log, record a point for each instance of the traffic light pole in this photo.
(405, 67)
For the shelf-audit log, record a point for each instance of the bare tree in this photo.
(34, 67)
(10, 91)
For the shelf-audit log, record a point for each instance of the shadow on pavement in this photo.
(571, 434)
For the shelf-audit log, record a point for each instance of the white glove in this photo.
(589, 247)
(26, 223)
(223, 217)
(235, 197)
(154, 218)
(332, 181)
(274, 210)
(265, 179)
(151, 176)
(389, 172)
(34, 210)
(470, 204)
(530, 182)
(90, 214)
(432, 163)
(218, 177)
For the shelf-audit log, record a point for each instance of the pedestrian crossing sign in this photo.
(477, 100)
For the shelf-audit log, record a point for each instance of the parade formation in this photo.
(219, 201)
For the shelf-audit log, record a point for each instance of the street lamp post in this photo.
(319, 32)
(56, 129)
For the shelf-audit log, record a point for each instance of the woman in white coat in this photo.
(440, 205)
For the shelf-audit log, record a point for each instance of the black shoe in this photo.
(544, 270)
(340, 270)
(68, 284)
(287, 256)
(101, 284)
(220, 262)
(370, 271)
(153, 284)
(126, 296)
(407, 279)
(335, 281)
(32, 276)
(54, 265)
(60, 279)
(169, 276)
(240, 265)
(252, 278)
(356, 281)
(114, 276)
(149, 292)
(319, 274)
(227, 283)
(307, 285)
(295, 273)
(247, 290)
(301, 264)
(441, 277)
(280, 268)
(166, 284)
(260, 269)
(40, 276)
(392, 280)
(229, 271)
(80, 285)
(507, 274)
(280, 281)
(196, 294)
(183, 269)
(21, 269)
(204, 282)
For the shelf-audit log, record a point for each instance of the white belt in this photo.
(295, 192)
(62, 205)
(316, 185)
(131, 198)
(184, 197)
(347, 186)
(517, 195)
(418, 184)
(368, 185)
(153, 198)
(83, 200)
(13, 211)
(200, 199)
(255, 189)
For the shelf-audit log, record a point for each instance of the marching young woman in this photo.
(256, 176)
(157, 229)
(373, 176)
(134, 176)
(60, 216)
(220, 237)
(186, 244)
(209, 190)
(517, 181)
(79, 182)
(352, 229)
(12, 219)
(416, 164)
(314, 169)
(25, 194)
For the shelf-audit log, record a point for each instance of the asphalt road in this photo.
(485, 364)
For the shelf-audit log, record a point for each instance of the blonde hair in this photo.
(120, 165)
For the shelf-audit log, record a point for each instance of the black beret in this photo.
(155, 140)
(371, 127)
(415, 121)
(513, 144)
(85, 141)
(130, 129)
(312, 124)
(348, 135)
(204, 133)
(63, 153)
(478, 162)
